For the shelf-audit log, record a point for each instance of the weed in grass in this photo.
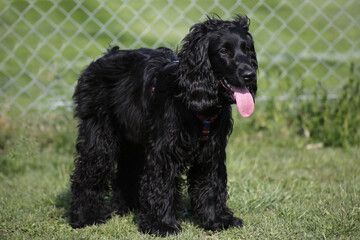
(335, 122)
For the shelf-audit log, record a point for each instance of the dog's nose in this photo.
(248, 75)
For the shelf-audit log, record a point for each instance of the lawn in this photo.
(281, 186)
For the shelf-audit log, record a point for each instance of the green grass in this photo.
(280, 188)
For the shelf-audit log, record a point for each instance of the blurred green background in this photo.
(293, 167)
(45, 44)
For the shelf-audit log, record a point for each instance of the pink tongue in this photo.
(244, 101)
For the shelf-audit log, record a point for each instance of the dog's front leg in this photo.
(158, 195)
(207, 189)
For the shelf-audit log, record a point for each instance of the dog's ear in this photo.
(252, 52)
(196, 80)
(244, 23)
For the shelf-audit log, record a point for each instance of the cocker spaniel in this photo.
(149, 116)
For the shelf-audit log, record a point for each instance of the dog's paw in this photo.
(235, 222)
(160, 229)
(78, 219)
(224, 223)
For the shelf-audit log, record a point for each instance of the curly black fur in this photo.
(139, 130)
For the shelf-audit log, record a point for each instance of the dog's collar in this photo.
(206, 121)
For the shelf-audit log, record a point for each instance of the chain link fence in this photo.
(44, 45)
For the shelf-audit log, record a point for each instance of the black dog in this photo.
(148, 116)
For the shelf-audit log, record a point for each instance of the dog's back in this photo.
(122, 82)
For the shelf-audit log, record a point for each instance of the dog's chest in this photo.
(191, 141)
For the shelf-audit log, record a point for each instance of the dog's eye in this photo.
(244, 48)
(224, 52)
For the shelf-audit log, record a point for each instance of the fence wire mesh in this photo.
(44, 45)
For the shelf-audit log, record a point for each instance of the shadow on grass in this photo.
(63, 202)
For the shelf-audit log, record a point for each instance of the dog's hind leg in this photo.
(126, 183)
(96, 150)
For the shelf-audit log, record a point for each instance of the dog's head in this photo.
(218, 65)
